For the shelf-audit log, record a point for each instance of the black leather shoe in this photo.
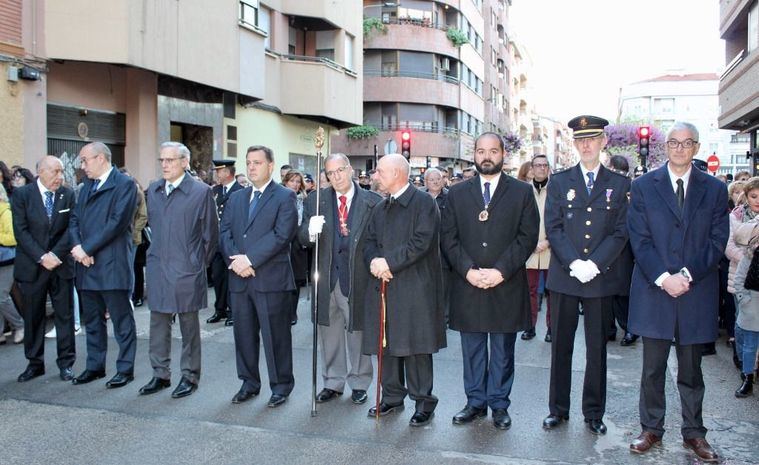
(468, 414)
(421, 418)
(154, 385)
(358, 396)
(501, 418)
(552, 421)
(216, 317)
(184, 388)
(30, 373)
(276, 400)
(67, 374)
(596, 426)
(548, 337)
(243, 395)
(612, 337)
(138, 302)
(529, 334)
(384, 409)
(628, 340)
(119, 380)
(708, 349)
(229, 321)
(326, 395)
(88, 376)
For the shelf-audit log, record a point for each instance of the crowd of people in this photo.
(402, 259)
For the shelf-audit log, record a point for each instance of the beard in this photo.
(492, 168)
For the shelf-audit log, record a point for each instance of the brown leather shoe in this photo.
(645, 441)
(702, 449)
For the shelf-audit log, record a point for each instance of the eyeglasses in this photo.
(340, 170)
(168, 161)
(85, 160)
(686, 144)
(540, 165)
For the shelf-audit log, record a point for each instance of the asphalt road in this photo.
(47, 421)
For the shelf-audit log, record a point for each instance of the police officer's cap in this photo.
(219, 164)
(584, 126)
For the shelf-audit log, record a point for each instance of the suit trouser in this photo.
(690, 385)
(533, 281)
(263, 316)
(488, 382)
(118, 304)
(34, 296)
(596, 319)
(160, 345)
(414, 371)
(340, 346)
(620, 305)
(220, 277)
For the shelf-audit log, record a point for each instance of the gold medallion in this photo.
(483, 215)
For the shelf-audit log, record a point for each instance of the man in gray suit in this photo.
(345, 209)
(185, 228)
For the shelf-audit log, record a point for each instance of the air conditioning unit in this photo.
(445, 64)
(386, 18)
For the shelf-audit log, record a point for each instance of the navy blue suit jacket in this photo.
(102, 225)
(666, 239)
(265, 238)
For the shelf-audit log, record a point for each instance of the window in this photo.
(753, 27)
(348, 51)
(264, 23)
(664, 106)
(292, 40)
(325, 44)
(249, 12)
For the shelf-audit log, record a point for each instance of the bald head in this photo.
(50, 171)
(392, 172)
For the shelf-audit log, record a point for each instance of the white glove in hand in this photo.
(315, 226)
(583, 270)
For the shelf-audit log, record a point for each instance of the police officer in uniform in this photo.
(585, 220)
(226, 184)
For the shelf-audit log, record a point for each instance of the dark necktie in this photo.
(590, 181)
(680, 193)
(253, 203)
(49, 204)
(224, 191)
(486, 194)
(342, 215)
(390, 202)
(169, 189)
(95, 185)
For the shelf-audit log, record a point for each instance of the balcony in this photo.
(443, 91)
(332, 91)
(435, 142)
(346, 15)
(412, 36)
(738, 99)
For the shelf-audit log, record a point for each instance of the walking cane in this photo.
(382, 342)
(318, 143)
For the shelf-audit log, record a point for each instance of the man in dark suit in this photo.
(403, 249)
(43, 265)
(585, 219)
(225, 187)
(258, 224)
(344, 210)
(101, 236)
(490, 228)
(678, 231)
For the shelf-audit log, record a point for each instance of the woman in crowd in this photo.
(6, 176)
(740, 213)
(7, 254)
(21, 177)
(293, 180)
(525, 172)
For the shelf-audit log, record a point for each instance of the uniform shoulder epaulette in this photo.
(562, 170)
(617, 174)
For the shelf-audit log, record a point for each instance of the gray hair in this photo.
(3, 194)
(99, 147)
(338, 156)
(181, 149)
(432, 171)
(684, 126)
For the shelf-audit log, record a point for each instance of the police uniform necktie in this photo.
(590, 181)
(253, 203)
(169, 189)
(224, 191)
(486, 194)
(342, 215)
(49, 204)
(95, 185)
(680, 194)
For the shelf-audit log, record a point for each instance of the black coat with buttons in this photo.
(504, 242)
(587, 227)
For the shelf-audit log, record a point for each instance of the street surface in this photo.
(47, 421)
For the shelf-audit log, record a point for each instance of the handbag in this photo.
(752, 275)
(7, 253)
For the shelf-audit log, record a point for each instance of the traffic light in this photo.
(644, 133)
(406, 143)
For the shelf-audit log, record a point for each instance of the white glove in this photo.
(583, 270)
(315, 226)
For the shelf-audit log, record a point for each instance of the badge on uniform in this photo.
(484, 215)
(608, 198)
(571, 195)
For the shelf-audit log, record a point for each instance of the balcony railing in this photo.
(426, 22)
(428, 127)
(312, 59)
(412, 74)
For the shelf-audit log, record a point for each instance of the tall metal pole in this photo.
(318, 143)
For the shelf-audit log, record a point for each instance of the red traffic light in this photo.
(644, 131)
(406, 135)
